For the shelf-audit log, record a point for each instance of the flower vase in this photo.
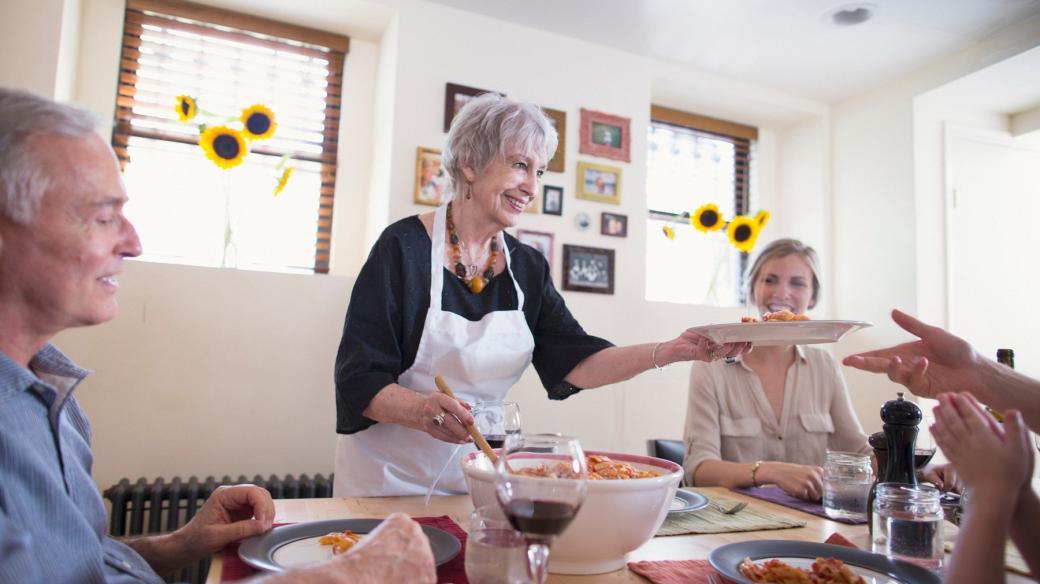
(232, 221)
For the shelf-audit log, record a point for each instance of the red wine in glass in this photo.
(540, 519)
(540, 483)
(496, 420)
(923, 456)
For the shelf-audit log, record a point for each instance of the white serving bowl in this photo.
(617, 516)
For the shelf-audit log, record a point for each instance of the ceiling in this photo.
(789, 45)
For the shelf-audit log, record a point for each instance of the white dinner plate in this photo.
(295, 545)
(874, 568)
(791, 332)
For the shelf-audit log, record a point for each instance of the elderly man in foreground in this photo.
(63, 238)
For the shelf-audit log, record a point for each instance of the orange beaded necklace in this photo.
(476, 282)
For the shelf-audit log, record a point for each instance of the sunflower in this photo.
(258, 122)
(224, 146)
(743, 231)
(186, 108)
(668, 231)
(707, 218)
(283, 179)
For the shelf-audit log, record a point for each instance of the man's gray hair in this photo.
(490, 125)
(24, 114)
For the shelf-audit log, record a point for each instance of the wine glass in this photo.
(496, 420)
(540, 482)
(924, 449)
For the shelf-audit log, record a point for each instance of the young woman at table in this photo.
(449, 293)
(771, 415)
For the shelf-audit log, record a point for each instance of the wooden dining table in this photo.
(676, 547)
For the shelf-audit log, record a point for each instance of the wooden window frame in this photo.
(306, 41)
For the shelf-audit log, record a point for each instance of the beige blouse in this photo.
(729, 418)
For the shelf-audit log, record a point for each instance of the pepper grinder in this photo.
(901, 418)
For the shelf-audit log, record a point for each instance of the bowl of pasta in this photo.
(627, 501)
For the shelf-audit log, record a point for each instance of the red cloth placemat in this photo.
(453, 571)
(696, 571)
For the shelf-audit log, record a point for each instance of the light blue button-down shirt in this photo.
(52, 519)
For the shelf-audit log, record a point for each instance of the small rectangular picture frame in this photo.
(588, 269)
(605, 135)
(599, 182)
(559, 121)
(552, 200)
(431, 182)
(613, 224)
(540, 240)
(456, 96)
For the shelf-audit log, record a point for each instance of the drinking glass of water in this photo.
(908, 524)
(847, 478)
(495, 552)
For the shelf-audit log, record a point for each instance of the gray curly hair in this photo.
(489, 125)
(24, 114)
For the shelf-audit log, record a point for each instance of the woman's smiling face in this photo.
(507, 186)
(784, 282)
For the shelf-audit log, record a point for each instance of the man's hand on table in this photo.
(396, 551)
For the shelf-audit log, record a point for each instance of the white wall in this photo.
(888, 235)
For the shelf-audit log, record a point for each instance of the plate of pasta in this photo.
(781, 332)
(754, 562)
(300, 544)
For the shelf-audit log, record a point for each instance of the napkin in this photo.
(453, 571)
(696, 571)
(711, 520)
(775, 494)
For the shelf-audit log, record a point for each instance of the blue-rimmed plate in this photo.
(294, 545)
(874, 568)
(686, 501)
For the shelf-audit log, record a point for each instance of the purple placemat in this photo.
(775, 494)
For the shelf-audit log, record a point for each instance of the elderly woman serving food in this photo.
(450, 294)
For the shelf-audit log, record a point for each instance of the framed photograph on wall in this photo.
(539, 240)
(430, 179)
(613, 225)
(552, 200)
(605, 135)
(588, 269)
(456, 96)
(599, 182)
(559, 121)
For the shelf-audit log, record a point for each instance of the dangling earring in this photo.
(469, 192)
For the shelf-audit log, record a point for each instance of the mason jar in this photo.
(908, 524)
(847, 478)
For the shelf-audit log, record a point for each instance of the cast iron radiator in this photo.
(144, 508)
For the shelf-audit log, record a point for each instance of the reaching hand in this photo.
(991, 460)
(452, 414)
(798, 480)
(229, 514)
(943, 476)
(395, 551)
(938, 362)
(690, 346)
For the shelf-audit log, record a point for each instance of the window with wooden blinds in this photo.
(255, 215)
(693, 160)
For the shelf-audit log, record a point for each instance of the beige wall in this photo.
(218, 371)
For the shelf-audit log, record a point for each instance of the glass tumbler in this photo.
(908, 524)
(495, 552)
(847, 477)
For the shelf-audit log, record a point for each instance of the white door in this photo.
(993, 216)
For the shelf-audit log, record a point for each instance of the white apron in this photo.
(480, 362)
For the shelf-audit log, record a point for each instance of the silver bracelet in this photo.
(653, 357)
